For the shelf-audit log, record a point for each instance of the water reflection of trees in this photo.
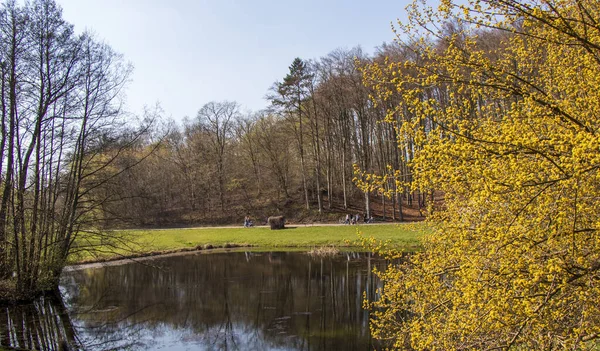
(235, 301)
(41, 325)
(230, 301)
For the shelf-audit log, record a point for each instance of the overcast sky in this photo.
(189, 52)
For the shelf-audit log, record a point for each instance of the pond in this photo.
(216, 301)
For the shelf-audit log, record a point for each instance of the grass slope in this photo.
(405, 236)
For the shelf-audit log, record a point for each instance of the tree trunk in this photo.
(399, 197)
(367, 205)
(383, 204)
(344, 179)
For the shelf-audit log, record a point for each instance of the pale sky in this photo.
(189, 52)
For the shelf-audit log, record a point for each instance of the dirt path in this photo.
(290, 225)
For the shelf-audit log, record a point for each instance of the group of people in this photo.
(350, 219)
(354, 219)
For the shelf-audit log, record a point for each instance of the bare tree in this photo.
(246, 138)
(273, 145)
(60, 110)
(218, 120)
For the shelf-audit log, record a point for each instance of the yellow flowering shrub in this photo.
(503, 108)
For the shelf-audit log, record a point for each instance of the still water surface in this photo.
(218, 301)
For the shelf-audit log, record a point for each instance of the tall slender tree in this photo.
(289, 97)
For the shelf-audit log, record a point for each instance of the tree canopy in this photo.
(501, 99)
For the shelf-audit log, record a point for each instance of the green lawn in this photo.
(404, 236)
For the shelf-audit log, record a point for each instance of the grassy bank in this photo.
(139, 242)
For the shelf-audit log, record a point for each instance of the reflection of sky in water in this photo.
(225, 301)
(239, 338)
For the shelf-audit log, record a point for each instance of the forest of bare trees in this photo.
(297, 157)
